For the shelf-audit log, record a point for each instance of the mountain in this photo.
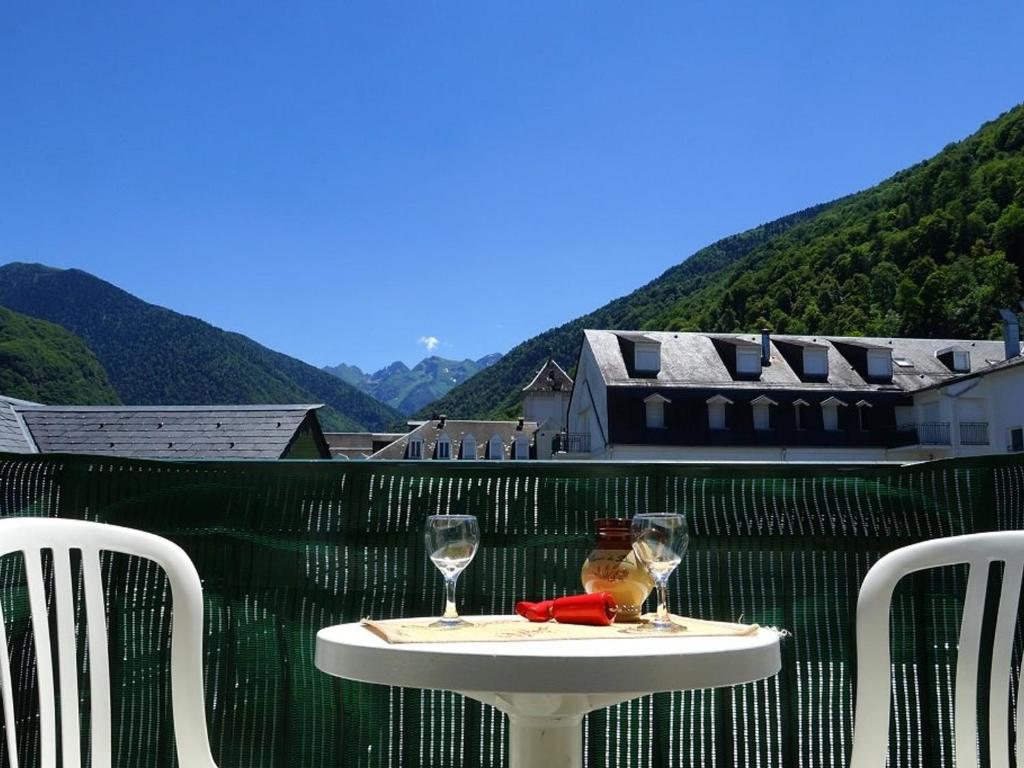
(407, 389)
(933, 251)
(154, 356)
(42, 362)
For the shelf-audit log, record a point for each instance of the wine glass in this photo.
(659, 541)
(451, 544)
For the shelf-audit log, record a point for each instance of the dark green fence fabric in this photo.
(286, 548)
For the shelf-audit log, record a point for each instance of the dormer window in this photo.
(414, 450)
(716, 412)
(521, 447)
(495, 448)
(469, 447)
(879, 364)
(961, 361)
(655, 406)
(748, 361)
(864, 415)
(800, 413)
(647, 357)
(830, 413)
(815, 362)
(762, 413)
(443, 449)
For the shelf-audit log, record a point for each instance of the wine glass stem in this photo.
(662, 604)
(449, 598)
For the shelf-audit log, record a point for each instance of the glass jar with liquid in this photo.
(612, 567)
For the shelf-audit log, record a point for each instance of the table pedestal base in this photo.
(546, 729)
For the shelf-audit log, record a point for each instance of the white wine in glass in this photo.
(451, 542)
(659, 542)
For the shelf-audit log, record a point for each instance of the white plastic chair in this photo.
(979, 551)
(32, 535)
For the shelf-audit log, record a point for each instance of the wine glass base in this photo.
(456, 622)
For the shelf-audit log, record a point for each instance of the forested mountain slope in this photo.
(933, 251)
(158, 357)
(43, 362)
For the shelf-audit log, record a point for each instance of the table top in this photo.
(640, 664)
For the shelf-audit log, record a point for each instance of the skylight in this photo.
(902, 362)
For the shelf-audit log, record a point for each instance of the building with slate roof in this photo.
(14, 436)
(463, 440)
(359, 445)
(714, 396)
(176, 432)
(546, 397)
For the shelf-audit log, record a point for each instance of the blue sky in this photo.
(341, 181)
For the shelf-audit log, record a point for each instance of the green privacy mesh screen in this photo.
(286, 548)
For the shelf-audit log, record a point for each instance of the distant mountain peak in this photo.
(407, 389)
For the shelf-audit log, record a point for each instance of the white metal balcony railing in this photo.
(929, 433)
(574, 442)
(973, 433)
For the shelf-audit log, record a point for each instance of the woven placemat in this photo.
(507, 629)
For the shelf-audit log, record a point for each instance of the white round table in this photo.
(546, 687)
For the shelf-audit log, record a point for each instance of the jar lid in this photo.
(613, 523)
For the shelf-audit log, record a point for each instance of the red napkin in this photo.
(596, 609)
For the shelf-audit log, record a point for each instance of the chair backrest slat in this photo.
(969, 648)
(44, 661)
(1002, 660)
(67, 659)
(6, 689)
(99, 661)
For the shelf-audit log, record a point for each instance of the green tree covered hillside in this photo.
(42, 362)
(932, 251)
(158, 357)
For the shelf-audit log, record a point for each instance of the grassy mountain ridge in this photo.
(496, 390)
(409, 389)
(45, 363)
(155, 356)
(932, 251)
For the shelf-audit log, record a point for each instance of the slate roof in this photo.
(14, 438)
(692, 360)
(457, 429)
(166, 432)
(350, 445)
(1013, 362)
(550, 378)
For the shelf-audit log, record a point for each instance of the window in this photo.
(761, 417)
(716, 412)
(830, 413)
(800, 414)
(1016, 440)
(902, 362)
(961, 361)
(415, 449)
(469, 447)
(495, 448)
(879, 364)
(647, 357)
(521, 447)
(443, 449)
(655, 405)
(762, 412)
(863, 415)
(815, 361)
(748, 360)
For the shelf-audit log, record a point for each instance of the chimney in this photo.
(1011, 333)
(441, 420)
(521, 424)
(766, 346)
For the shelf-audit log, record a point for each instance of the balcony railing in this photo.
(929, 433)
(973, 433)
(574, 442)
